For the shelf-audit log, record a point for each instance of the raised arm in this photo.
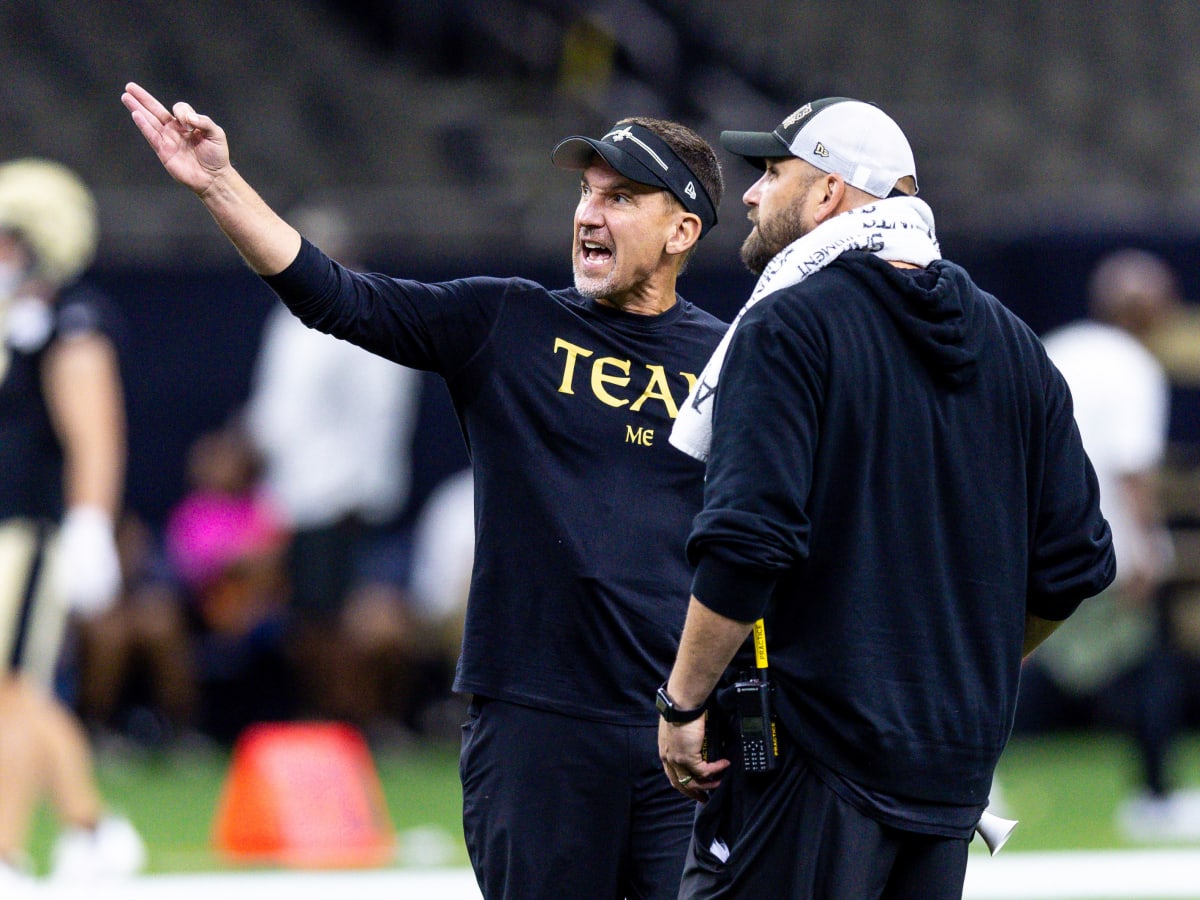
(193, 149)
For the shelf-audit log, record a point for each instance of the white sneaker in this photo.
(1149, 819)
(13, 882)
(113, 849)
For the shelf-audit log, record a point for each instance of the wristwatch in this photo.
(672, 713)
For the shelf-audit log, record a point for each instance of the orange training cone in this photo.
(304, 795)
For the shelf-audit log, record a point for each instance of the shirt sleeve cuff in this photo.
(737, 593)
(301, 273)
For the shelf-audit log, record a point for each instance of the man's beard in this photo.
(595, 288)
(769, 237)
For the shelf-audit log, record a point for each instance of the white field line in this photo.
(1108, 875)
(1085, 875)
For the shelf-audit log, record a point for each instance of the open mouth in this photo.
(594, 253)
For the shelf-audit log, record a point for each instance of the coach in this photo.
(582, 507)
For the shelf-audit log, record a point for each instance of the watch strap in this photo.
(672, 713)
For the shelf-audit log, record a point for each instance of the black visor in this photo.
(642, 156)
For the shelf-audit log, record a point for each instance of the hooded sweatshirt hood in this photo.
(934, 308)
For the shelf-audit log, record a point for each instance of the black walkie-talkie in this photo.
(752, 701)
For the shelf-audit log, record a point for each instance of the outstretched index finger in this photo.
(137, 98)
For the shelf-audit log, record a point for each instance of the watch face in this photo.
(665, 707)
(670, 712)
(663, 702)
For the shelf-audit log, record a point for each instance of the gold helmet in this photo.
(54, 212)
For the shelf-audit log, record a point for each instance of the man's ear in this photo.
(831, 202)
(685, 234)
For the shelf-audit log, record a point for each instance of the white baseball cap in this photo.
(846, 137)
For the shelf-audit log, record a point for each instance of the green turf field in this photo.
(173, 800)
(1063, 789)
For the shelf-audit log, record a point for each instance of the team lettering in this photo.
(615, 382)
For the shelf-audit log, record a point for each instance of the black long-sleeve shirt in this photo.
(895, 480)
(582, 508)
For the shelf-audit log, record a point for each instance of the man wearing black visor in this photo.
(565, 398)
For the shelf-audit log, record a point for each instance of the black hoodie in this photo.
(895, 480)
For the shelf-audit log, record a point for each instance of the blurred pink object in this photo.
(208, 532)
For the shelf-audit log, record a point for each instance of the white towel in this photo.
(898, 228)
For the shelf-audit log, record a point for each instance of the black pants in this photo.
(1142, 701)
(558, 807)
(789, 836)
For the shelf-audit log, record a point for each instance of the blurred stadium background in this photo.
(1045, 134)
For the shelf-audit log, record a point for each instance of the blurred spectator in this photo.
(137, 675)
(443, 554)
(226, 541)
(62, 463)
(1111, 664)
(1169, 326)
(368, 672)
(334, 425)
